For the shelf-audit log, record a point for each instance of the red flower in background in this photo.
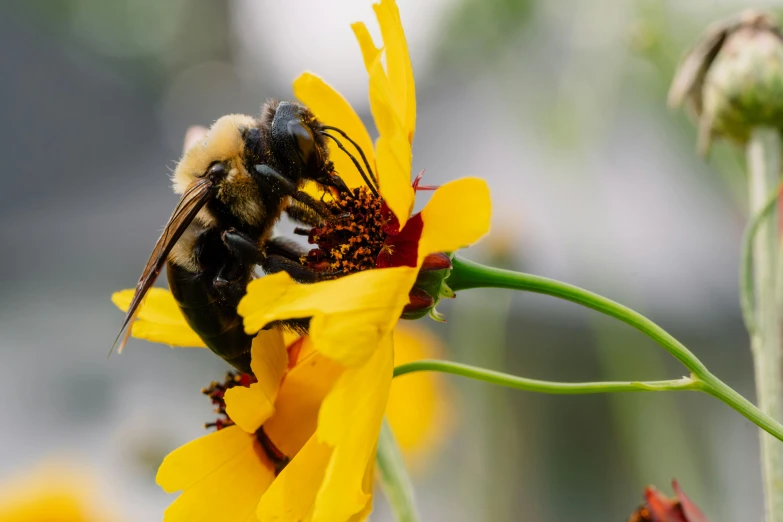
(659, 508)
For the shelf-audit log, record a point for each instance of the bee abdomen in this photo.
(212, 313)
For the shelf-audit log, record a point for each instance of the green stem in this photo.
(468, 274)
(747, 289)
(394, 477)
(533, 385)
(763, 154)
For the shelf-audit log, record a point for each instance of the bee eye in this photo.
(305, 144)
(216, 171)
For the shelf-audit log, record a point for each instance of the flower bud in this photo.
(733, 79)
(429, 288)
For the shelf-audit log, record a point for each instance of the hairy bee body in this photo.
(235, 184)
(210, 308)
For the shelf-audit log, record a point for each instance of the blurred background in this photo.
(559, 105)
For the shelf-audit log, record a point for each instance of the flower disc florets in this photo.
(216, 391)
(367, 235)
(353, 242)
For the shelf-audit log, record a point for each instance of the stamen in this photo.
(216, 392)
(352, 243)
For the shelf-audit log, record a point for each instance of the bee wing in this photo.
(191, 202)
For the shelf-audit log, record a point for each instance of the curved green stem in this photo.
(393, 477)
(747, 288)
(534, 385)
(468, 274)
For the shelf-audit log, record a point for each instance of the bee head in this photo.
(220, 159)
(298, 143)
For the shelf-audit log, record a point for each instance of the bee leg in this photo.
(227, 281)
(277, 181)
(304, 199)
(241, 246)
(285, 247)
(287, 187)
(274, 263)
(304, 215)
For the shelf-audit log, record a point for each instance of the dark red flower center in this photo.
(366, 235)
(216, 391)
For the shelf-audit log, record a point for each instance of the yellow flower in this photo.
(352, 324)
(51, 493)
(419, 427)
(353, 317)
(223, 475)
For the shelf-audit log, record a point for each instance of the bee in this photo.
(235, 185)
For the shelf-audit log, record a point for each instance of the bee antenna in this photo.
(361, 152)
(366, 179)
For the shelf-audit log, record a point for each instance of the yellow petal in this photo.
(312, 188)
(332, 109)
(398, 64)
(173, 335)
(292, 495)
(360, 394)
(394, 172)
(370, 53)
(351, 337)
(250, 407)
(457, 215)
(367, 484)
(382, 104)
(159, 306)
(297, 405)
(347, 313)
(160, 319)
(419, 410)
(222, 477)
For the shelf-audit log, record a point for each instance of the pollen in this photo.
(216, 391)
(351, 243)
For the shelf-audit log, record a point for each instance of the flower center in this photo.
(216, 391)
(351, 243)
(278, 459)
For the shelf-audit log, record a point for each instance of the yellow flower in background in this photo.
(51, 493)
(419, 410)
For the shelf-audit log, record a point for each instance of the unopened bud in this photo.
(430, 287)
(733, 78)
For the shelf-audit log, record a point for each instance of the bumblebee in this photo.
(235, 185)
